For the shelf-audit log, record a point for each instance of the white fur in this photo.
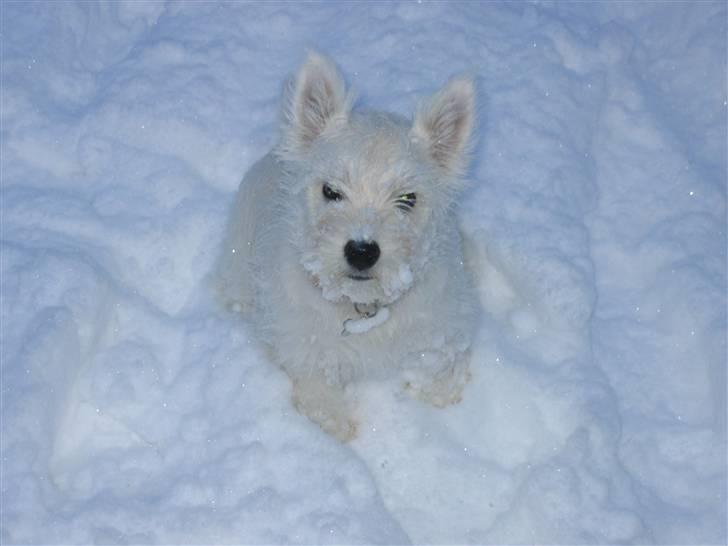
(283, 258)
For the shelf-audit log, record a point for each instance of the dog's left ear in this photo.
(443, 124)
(316, 100)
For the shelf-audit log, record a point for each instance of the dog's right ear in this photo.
(315, 102)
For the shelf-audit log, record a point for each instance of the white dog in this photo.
(344, 248)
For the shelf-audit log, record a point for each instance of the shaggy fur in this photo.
(284, 261)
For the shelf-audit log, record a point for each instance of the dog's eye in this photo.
(331, 194)
(406, 201)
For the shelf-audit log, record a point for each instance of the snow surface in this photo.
(134, 410)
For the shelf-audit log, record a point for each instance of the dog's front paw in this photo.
(444, 389)
(340, 427)
(326, 406)
(437, 393)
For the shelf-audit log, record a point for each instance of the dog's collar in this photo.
(370, 315)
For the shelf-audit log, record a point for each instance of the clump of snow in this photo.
(405, 275)
(134, 410)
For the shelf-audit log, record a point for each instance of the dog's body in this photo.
(344, 247)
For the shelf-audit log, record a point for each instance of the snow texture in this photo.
(135, 410)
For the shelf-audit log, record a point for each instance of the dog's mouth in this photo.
(359, 277)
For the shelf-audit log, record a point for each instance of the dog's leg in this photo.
(446, 387)
(325, 405)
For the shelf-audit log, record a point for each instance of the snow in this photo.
(135, 410)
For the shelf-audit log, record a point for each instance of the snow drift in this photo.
(134, 410)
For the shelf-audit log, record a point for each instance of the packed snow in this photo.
(136, 410)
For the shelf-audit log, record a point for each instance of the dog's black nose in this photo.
(361, 254)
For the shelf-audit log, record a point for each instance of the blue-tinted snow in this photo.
(136, 411)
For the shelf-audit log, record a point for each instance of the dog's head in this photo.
(369, 192)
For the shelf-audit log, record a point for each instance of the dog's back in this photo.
(254, 205)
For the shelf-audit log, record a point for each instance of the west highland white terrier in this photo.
(344, 249)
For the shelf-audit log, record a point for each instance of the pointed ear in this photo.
(315, 101)
(444, 122)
